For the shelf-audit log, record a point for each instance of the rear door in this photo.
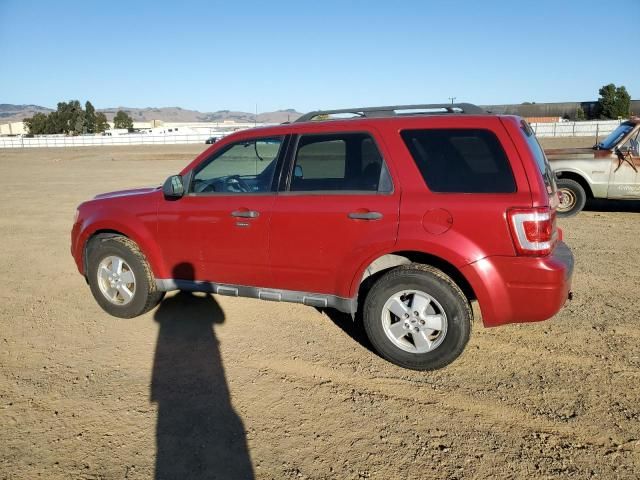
(337, 209)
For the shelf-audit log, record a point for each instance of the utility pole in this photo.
(452, 99)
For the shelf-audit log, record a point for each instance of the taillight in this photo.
(533, 230)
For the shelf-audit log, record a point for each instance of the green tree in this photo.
(614, 102)
(101, 122)
(78, 124)
(122, 120)
(69, 118)
(55, 123)
(623, 101)
(38, 124)
(580, 115)
(76, 118)
(89, 117)
(60, 121)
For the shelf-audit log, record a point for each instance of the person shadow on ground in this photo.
(199, 435)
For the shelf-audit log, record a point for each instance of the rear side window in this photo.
(460, 160)
(322, 159)
(339, 162)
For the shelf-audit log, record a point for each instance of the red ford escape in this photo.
(404, 214)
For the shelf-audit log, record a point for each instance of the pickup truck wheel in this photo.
(120, 278)
(417, 317)
(572, 197)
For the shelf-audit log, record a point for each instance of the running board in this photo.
(321, 300)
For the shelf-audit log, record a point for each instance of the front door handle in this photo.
(244, 213)
(365, 215)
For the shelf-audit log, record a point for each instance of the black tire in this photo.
(440, 287)
(145, 294)
(573, 197)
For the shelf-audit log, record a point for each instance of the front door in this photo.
(338, 209)
(625, 170)
(219, 231)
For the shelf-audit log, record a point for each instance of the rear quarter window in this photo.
(538, 154)
(460, 160)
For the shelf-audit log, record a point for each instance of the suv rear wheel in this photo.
(120, 277)
(417, 317)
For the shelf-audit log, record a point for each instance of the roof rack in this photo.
(398, 110)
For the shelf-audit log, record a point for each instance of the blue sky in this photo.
(211, 55)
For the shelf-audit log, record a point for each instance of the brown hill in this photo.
(16, 113)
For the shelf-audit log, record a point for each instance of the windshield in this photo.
(615, 136)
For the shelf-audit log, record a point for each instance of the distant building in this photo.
(557, 109)
(13, 128)
(543, 119)
(157, 127)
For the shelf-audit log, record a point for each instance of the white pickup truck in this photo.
(610, 169)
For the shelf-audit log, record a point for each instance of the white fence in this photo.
(127, 139)
(596, 128)
(559, 129)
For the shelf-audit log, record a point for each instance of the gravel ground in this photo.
(210, 387)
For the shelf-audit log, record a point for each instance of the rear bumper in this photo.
(521, 289)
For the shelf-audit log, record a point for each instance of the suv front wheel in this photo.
(120, 277)
(417, 317)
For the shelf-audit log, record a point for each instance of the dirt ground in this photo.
(210, 387)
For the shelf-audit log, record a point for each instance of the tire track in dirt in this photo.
(454, 401)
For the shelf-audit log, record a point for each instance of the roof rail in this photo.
(398, 110)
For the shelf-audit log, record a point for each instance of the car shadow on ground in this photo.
(352, 327)
(600, 205)
(199, 435)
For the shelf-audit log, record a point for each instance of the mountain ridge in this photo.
(18, 112)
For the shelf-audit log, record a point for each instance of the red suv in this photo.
(404, 214)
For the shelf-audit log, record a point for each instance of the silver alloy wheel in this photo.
(567, 200)
(414, 321)
(116, 280)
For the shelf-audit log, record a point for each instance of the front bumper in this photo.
(521, 289)
(76, 248)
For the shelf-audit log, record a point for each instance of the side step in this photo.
(347, 305)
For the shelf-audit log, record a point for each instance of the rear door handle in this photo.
(244, 213)
(365, 215)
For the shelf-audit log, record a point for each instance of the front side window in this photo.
(339, 162)
(243, 167)
(460, 160)
(632, 145)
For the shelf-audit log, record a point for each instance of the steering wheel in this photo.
(237, 182)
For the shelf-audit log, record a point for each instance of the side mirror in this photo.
(173, 188)
(297, 172)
